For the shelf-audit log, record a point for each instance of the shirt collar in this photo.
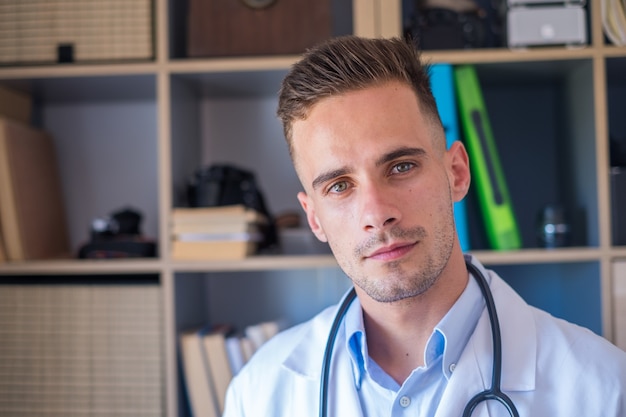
(458, 324)
(449, 336)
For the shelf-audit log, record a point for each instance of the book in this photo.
(221, 237)
(442, 86)
(261, 332)
(32, 213)
(212, 250)
(490, 184)
(235, 352)
(200, 392)
(212, 228)
(220, 372)
(211, 356)
(247, 348)
(215, 233)
(217, 214)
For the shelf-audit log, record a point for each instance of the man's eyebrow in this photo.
(327, 176)
(390, 156)
(399, 153)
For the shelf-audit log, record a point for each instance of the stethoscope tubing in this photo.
(328, 351)
(495, 391)
(492, 393)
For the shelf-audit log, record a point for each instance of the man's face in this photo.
(379, 189)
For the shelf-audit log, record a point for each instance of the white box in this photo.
(546, 25)
(512, 3)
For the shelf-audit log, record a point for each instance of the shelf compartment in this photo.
(616, 102)
(545, 135)
(287, 296)
(82, 345)
(571, 290)
(229, 118)
(105, 133)
(341, 22)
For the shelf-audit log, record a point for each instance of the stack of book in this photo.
(215, 233)
(211, 356)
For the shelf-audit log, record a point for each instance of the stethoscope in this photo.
(493, 393)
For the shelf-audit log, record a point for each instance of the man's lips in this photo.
(391, 252)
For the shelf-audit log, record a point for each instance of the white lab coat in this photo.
(549, 368)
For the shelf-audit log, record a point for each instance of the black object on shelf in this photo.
(440, 25)
(118, 236)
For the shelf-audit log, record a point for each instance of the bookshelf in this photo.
(131, 133)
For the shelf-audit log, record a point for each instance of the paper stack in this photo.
(215, 233)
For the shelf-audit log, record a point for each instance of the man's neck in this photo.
(397, 333)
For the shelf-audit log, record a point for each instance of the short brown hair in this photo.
(350, 63)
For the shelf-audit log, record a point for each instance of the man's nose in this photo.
(379, 207)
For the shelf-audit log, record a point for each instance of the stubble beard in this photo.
(404, 278)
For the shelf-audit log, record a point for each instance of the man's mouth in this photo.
(391, 252)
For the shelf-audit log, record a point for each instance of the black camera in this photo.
(117, 236)
(433, 24)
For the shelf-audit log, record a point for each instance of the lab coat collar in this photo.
(306, 358)
(519, 337)
(519, 353)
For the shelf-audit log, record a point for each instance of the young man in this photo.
(379, 186)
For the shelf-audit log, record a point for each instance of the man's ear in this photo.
(458, 170)
(311, 217)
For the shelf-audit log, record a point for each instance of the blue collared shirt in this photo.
(420, 394)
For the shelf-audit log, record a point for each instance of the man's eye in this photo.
(338, 187)
(403, 167)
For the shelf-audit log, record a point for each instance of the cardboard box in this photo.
(231, 28)
(43, 31)
(32, 214)
(15, 105)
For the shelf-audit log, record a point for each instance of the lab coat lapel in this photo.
(306, 361)
(345, 401)
(466, 381)
(473, 371)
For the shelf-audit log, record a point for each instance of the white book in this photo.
(201, 396)
(236, 357)
(219, 365)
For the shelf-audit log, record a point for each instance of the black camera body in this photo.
(118, 236)
(437, 25)
(223, 185)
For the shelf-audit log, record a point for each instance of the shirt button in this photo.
(405, 401)
(452, 367)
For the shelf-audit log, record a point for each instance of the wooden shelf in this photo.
(85, 267)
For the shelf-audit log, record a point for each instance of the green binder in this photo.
(489, 182)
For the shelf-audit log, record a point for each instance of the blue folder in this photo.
(442, 85)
